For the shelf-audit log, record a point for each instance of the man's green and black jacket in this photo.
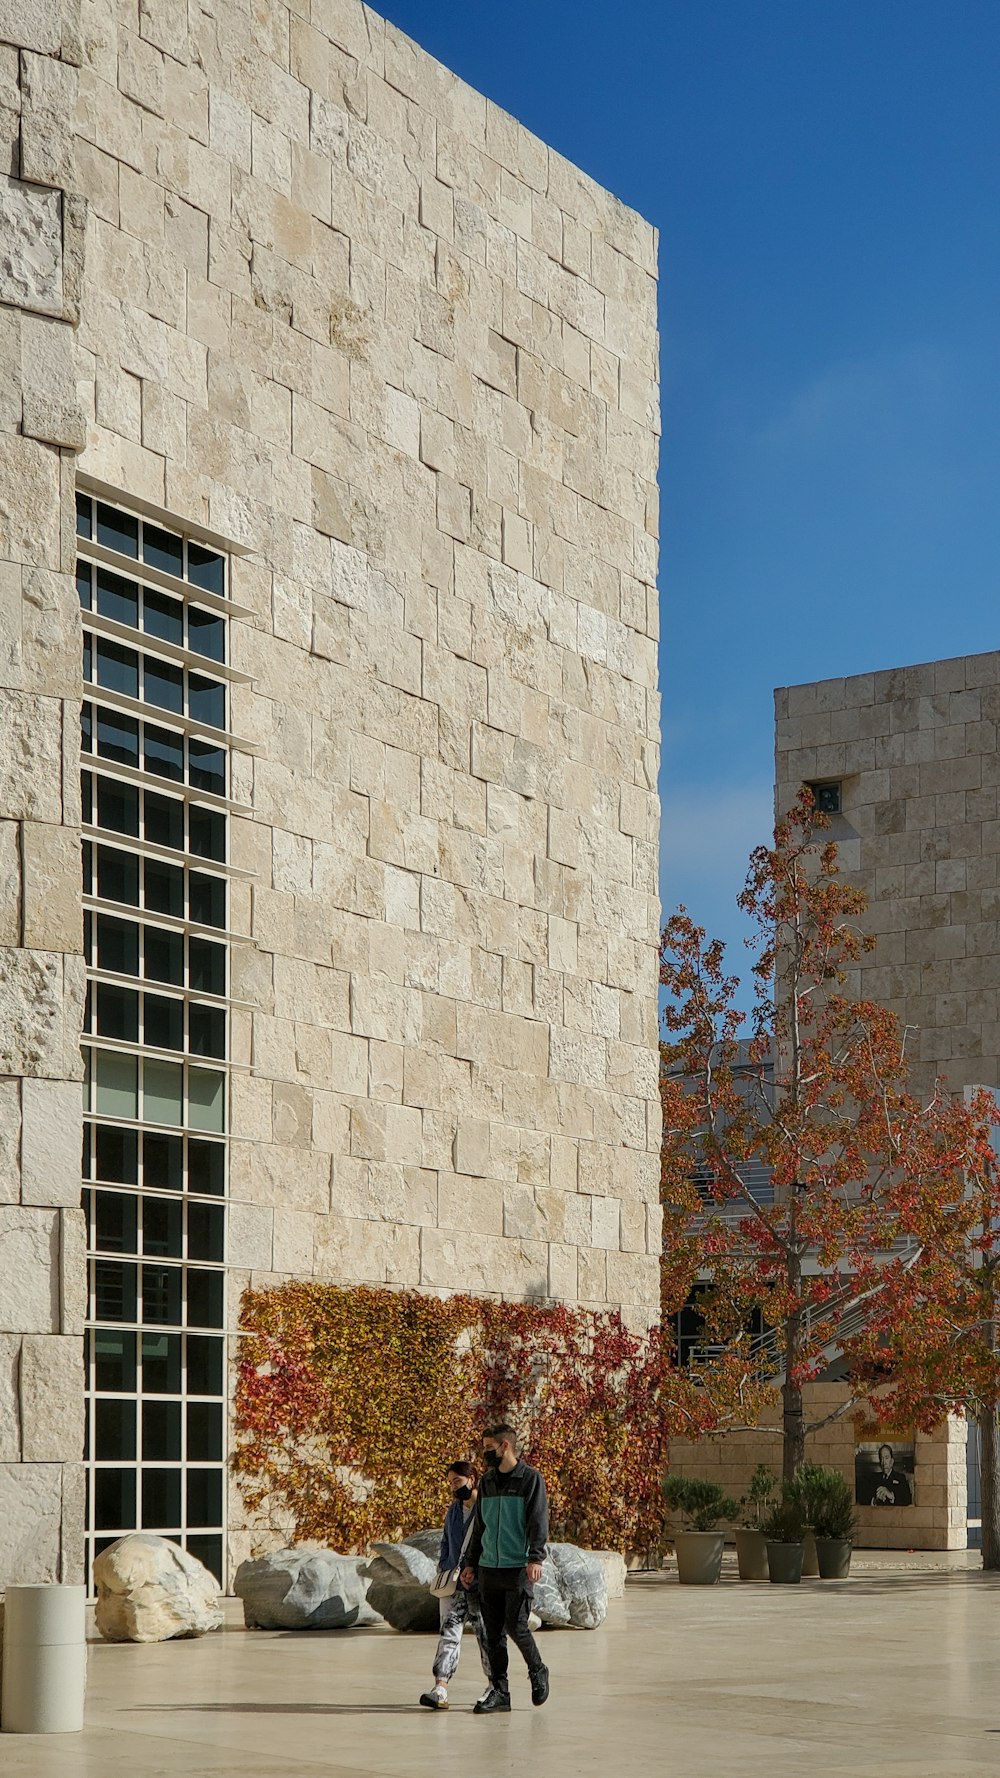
(512, 1519)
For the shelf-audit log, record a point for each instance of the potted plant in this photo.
(699, 1547)
(834, 1524)
(751, 1542)
(784, 1529)
(811, 1488)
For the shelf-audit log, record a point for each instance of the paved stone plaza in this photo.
(891, 1672)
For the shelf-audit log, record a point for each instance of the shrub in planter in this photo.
(699, 1547)
(834, 1524)
(751, 1543)
(784, 1529)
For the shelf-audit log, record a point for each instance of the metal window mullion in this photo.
(171, 652)
(142, 779)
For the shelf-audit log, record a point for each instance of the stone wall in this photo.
(915, 749)
(346, 312)
(42, 1271)
(938, 1518)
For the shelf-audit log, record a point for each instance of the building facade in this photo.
(328, 725)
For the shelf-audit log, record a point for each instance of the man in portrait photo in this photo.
(886, 1481)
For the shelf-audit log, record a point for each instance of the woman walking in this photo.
(462, 1606)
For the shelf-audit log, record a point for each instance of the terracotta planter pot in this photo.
(751, 1553)
(784, 1564)
(699, 1557)
(834, 1555)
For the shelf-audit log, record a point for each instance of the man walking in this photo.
(506, 1555)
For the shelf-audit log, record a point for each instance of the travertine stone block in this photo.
(31, 250)
(30, 1523)
(51, 1396)
(29, 1264)
(51, 1140)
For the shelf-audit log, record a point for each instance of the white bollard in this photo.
(44, 1660)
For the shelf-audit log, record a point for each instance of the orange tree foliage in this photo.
(350, 1400)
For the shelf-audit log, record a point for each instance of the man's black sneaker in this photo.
(539, 1685)
(494, 1700)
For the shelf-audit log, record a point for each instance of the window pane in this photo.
(207, 1031)
(204, 1497)
(117, 945)
(87, 728)
(162, 1092)
(206, 634)
(114, 1290)
(162, 1162)
(117, 530)
(164, 617)
(206, 701)
(116, 1154)
(164, 821)
(206, 1231)
(117, 1013)
(117, 668)
(206, 966)
(206, 1167)
(164, 685)
(114, 1499)
(117, 598)
(204, 1365)
(164, 956)
(117, 806)
(164, 888)
(84, 515)
(88, 1150)
(163, 1023)
(206, 899)
(114, 1360)
(163, 753)
(161, 1431)
(161, 1498)
(204, 1298)
(116, 1222)
(206, 1099)
(161, 1294)
(206, 569)
(161, 550)
(207, 767)
(163, 1227)
(118, 737)
(117, 1085)
(204, 1432)
(87, 794)
(161, 1363)
(114, 1430)
(117, 875)
(88, 657)
(207, 1550)
(84, 586)
(208, 833)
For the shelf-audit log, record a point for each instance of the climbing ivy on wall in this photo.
(349, 1401)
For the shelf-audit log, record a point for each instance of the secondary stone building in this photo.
(328, 432)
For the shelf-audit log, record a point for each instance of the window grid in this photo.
(156, 1044)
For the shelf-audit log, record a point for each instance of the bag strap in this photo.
(467, 1539)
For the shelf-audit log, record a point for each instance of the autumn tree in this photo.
(932, 1335)
(816, 1100)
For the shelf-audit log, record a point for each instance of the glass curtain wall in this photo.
(155, 783)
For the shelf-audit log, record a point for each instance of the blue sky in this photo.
(825, 175)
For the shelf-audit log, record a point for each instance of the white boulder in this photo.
(573, 1592)
(304, 1590)
(150, 1590)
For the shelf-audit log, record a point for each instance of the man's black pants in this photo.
(505, 1602)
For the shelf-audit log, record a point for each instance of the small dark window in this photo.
(163, 1022)
(207, 1550)
(161, 1431)
(207, 767)
(84, 516)
(206, 634)
(164, 685)
(206, 899)
(114, 1360)
(208, 833)
(161, 1498)
(162, 550)
(87, 728)
(116, 1223)
(117, 875)
(114, 1290)
(117, 668)
(204, 1426)
(163, 752)
(826, 797)
(117, 1154)
(117, 530)
(117, 1013)
(206, 1225)
(117, 598)
(205, 1298)
(162, 1227)
(206, 1167)
(161, 1294)
(117, 737)
(206, 569)
(163, 617)
(204, 1365)
(164, 888)
(206, 966)
(164, 956)
(161, 1363)
(114, 1499)
(207, 1030)
(83, 585)
(114, 1430)
(204, 1497)
(206, 701)
(117, 945)
(117, 806)
(162, 1162)
(164, 821)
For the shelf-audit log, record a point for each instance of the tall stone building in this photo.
(908, 762)
(328, 431)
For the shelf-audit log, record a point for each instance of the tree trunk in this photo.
(989, 1474)
(793, 1450)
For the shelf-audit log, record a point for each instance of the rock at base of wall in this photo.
(573, 1592)
(304, 1590)
(615, 1571)
(150, 1590)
